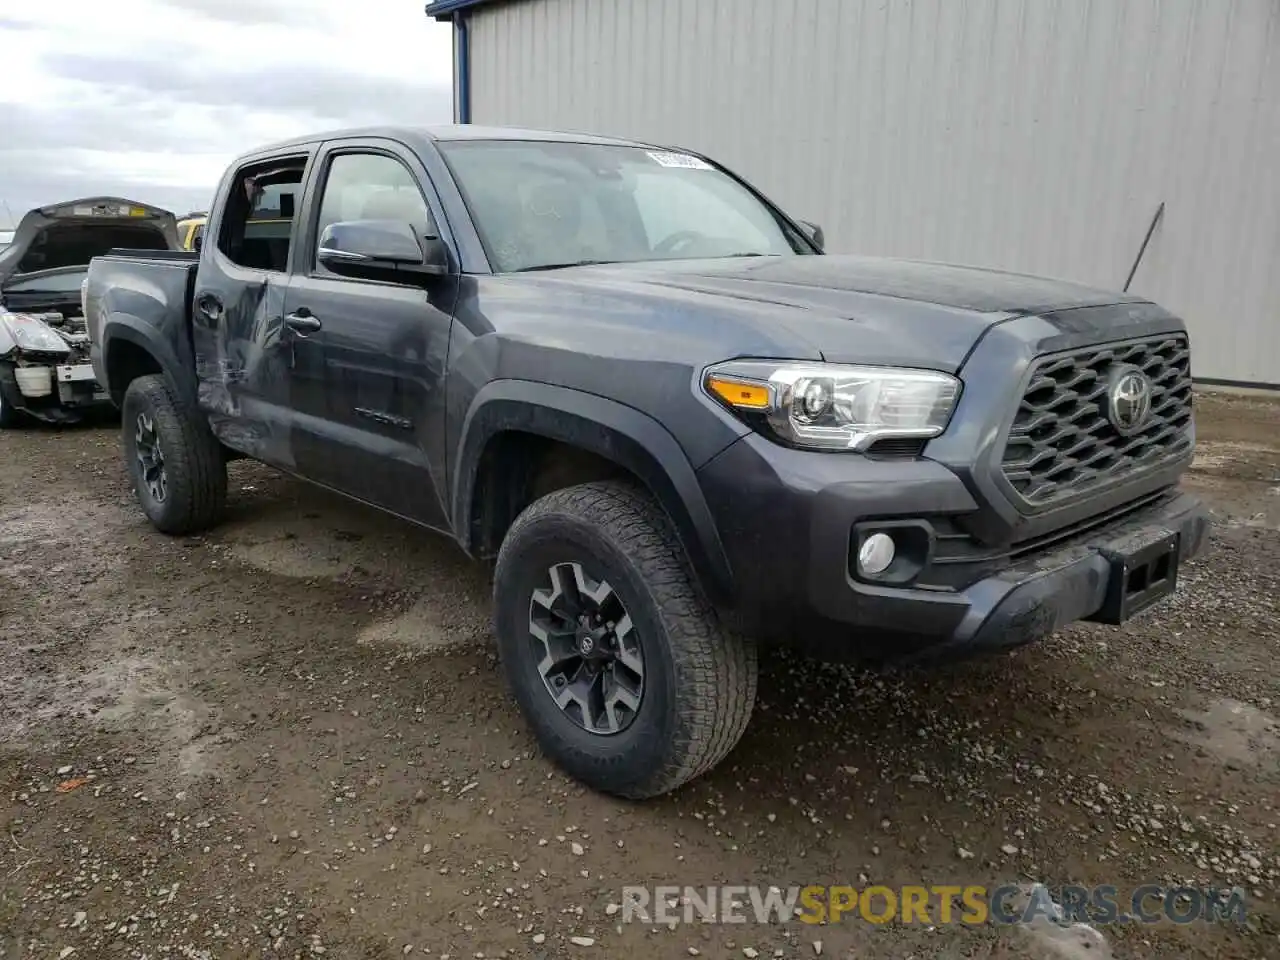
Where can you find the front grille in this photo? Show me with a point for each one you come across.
(1062, 443)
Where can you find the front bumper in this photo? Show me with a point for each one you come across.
(54, 392)
(786, 520)
(1032, 598)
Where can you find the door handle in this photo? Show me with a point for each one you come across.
(303, 321)
(210, 306)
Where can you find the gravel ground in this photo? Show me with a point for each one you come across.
(290, 738)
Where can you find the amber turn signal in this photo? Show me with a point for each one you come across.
(739, 393)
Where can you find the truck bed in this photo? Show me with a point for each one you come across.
(149, 291)
(177, 256)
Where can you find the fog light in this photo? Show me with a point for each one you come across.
(875, 554)
(34, 381)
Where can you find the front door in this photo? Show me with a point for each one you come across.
(384, 345)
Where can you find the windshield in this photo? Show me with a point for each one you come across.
(541, 204)
(53, 283)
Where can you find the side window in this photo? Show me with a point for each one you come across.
(257, 224)
(371, 186)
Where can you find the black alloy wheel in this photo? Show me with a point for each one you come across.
(150, 457)
(588, 649)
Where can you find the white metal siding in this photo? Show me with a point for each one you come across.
(1032, 135)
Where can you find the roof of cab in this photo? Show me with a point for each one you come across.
(446, 132)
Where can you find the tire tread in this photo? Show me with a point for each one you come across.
(194, 463)
(716, 672)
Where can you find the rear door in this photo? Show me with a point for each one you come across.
(258, 383)
(384, 344)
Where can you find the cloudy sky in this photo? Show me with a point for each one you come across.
(149, 99)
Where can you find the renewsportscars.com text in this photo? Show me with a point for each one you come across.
(939, 904)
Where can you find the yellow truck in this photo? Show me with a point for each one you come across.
(263, 222)
(191, 231)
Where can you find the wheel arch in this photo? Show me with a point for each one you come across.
(131, 349)
(516, 430)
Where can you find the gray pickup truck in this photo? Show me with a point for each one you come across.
(678, 426)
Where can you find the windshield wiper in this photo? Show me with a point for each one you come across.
(563, 266)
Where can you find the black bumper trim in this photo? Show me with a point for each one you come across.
(1030, 600)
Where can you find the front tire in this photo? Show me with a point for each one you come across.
(614, 656)
(174, 463)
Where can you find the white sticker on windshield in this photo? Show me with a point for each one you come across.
(679, 160)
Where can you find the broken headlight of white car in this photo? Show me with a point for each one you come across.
(28, 334)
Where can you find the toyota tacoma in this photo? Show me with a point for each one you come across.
(676, 425)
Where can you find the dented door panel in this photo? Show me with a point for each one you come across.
(252, 376)
(244, 362)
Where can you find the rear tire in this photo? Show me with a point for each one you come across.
(687, 685)
(174, 463)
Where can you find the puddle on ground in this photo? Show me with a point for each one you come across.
(418, 628)
(1050, 935)
(307, 548)
(1259, 521)
(1209, 461)
(1233, 731)
(68, 522)
(28, 525)
(99, 679)
(310, 559)
(1077, 941)
(1213, 454)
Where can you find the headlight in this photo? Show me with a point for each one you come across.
(28, 333)
(831, 406)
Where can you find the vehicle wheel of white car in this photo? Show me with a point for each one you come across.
(175, 463)
(616, 659)
(10, 416)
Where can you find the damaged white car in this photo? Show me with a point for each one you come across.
(44, 350)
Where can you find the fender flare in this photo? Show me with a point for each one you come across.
(614, 431)
(127, 328)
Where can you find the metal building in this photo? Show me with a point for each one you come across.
(1032, 135)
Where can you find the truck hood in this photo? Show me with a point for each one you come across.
(842, 308)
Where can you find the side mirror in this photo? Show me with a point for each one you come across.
(814, 233)
(374, 248)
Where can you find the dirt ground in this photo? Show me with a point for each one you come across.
(290, 738)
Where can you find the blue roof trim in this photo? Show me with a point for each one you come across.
(445, 9)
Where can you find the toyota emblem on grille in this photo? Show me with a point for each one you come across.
(1128, 399)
